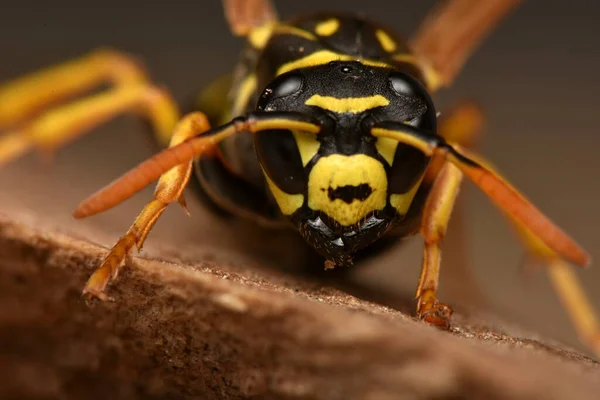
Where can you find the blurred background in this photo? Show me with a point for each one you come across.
(536, 78)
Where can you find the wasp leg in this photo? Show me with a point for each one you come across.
(148, 171)
(434, 223)
(169, 189)
(452, 31)
(570, 292)
(22, 98)
(172, 167)
(22, 103)
(574, 300)
(543, 238)
(462, 124)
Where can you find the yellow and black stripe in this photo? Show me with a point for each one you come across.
(347, 184)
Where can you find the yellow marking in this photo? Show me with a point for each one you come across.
(259, 36)
(336, 171)
(575, 301)
(61, 125)
(322, 57)
(288, 203)
(308, 145)
(292, 30)
(169, 189)
(433, 79)
(387, 148)
(402, 202)
(25, 96)
(244, 92)
(354, 105)
(282, 123)
(328, 27)
(407, 58)
(406, 138)
(386, 41)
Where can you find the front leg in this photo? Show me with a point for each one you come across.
(169, 189)
(434, 222)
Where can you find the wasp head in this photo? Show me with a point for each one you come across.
(344, 188)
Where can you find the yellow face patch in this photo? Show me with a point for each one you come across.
(347, 188)
(387, 148)
(402, 202)
(354, 105)
(288, 203)
(308, 145)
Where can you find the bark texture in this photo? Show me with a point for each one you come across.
(210, 331)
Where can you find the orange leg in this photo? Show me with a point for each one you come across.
(463, 124)
(567, 286)
(24, 97)
(169, 189)
(173, 167)
(23, 103)
(434, 223)
(543, 238)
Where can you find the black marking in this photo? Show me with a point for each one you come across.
(459, 156)
(349, 193)
(220, 189)
(280, 158)
(357, 38)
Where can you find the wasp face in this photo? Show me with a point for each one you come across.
(344, 188)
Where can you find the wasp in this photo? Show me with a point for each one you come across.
(327, 125)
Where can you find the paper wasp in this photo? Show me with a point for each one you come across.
(345, 143)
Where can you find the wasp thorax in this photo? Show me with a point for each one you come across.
(347, 188)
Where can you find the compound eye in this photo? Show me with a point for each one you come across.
(283, 86)
(405, 85)
(402, 84)
(421, 111)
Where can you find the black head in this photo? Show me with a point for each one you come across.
(343, 188)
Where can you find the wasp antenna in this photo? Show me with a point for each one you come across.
(150, 170)
(527, 217)
(550, 240)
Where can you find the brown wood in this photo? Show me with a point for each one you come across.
(212, 331)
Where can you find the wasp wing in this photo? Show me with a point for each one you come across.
(453, 29)
(244, 15)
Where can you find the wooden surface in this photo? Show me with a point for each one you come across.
(199, 329)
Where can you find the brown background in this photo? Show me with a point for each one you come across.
(536, 77)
